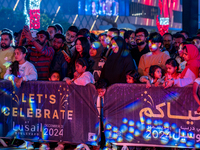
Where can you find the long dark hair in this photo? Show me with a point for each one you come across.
(15, 65)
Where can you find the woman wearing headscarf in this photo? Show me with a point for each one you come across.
(191, 71)
(118, 63)
(95, 52)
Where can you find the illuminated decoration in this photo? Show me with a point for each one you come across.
(34, 12)
(163, 23)
(27, 18)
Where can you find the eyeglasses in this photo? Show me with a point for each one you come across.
(140, 35)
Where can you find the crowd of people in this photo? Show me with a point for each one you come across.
(116, 56)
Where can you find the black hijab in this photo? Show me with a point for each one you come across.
(118, 64)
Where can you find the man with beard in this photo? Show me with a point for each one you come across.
(69, 45)
(40, 54)
(129, 37)
(179, 38)
(52, 30)
(142, 47)
(6, 52)
(168, 44)
(59, 63)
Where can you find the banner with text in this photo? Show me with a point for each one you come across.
(48, 111)
(135, 115)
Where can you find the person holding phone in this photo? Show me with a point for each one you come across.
(39, 53)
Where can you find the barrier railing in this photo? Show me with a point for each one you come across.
(133, 114)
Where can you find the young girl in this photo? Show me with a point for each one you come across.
(132, 76)
(96, 49)
(21, 70)
(154, 77)
(81, 76)
(172, 69)
(191, 71)
(180, 59)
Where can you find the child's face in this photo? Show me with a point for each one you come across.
(101, 92)
(19, 56)
(92, 52)
(170, 69)
(80, 69)
(55, 77)
(158, 73)
(129, 79)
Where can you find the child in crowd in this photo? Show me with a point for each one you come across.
(172, 69)
(195, 92)
(101, 86)
(21, 70)
(132, 76)
(54, 76)
(180, 59)
(154, 77)
(81, 76)
(96, 49)
(191, 71)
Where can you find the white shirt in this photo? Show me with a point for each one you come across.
(26, 70)
(84, 79)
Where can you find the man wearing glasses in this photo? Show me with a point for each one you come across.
(142, 46)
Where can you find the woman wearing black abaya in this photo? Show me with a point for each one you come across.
(118, 63)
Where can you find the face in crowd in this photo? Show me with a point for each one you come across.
(132, 39)
(114, 46)
(79, 47)
(70, 36)
(5, 41)
(102, 39)
(55, 77)
(154, 46)
(177, 42)
(140, 38)
(41, 39)
(167, 42)
(196, 42)
(110, 35)
(51, 32)
(57, 44)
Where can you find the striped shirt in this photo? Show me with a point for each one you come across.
(41, 61)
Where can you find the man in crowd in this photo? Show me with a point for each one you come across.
(6, 52)
(168, 45)
(196, 41)
(142, 46)
(179, 38)
(155, 57)
(69, 45)
(59, 63)
(52, 30)
(129, 37)
(40, 54)
(59, 28)
(185, 34)
(101, 39)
